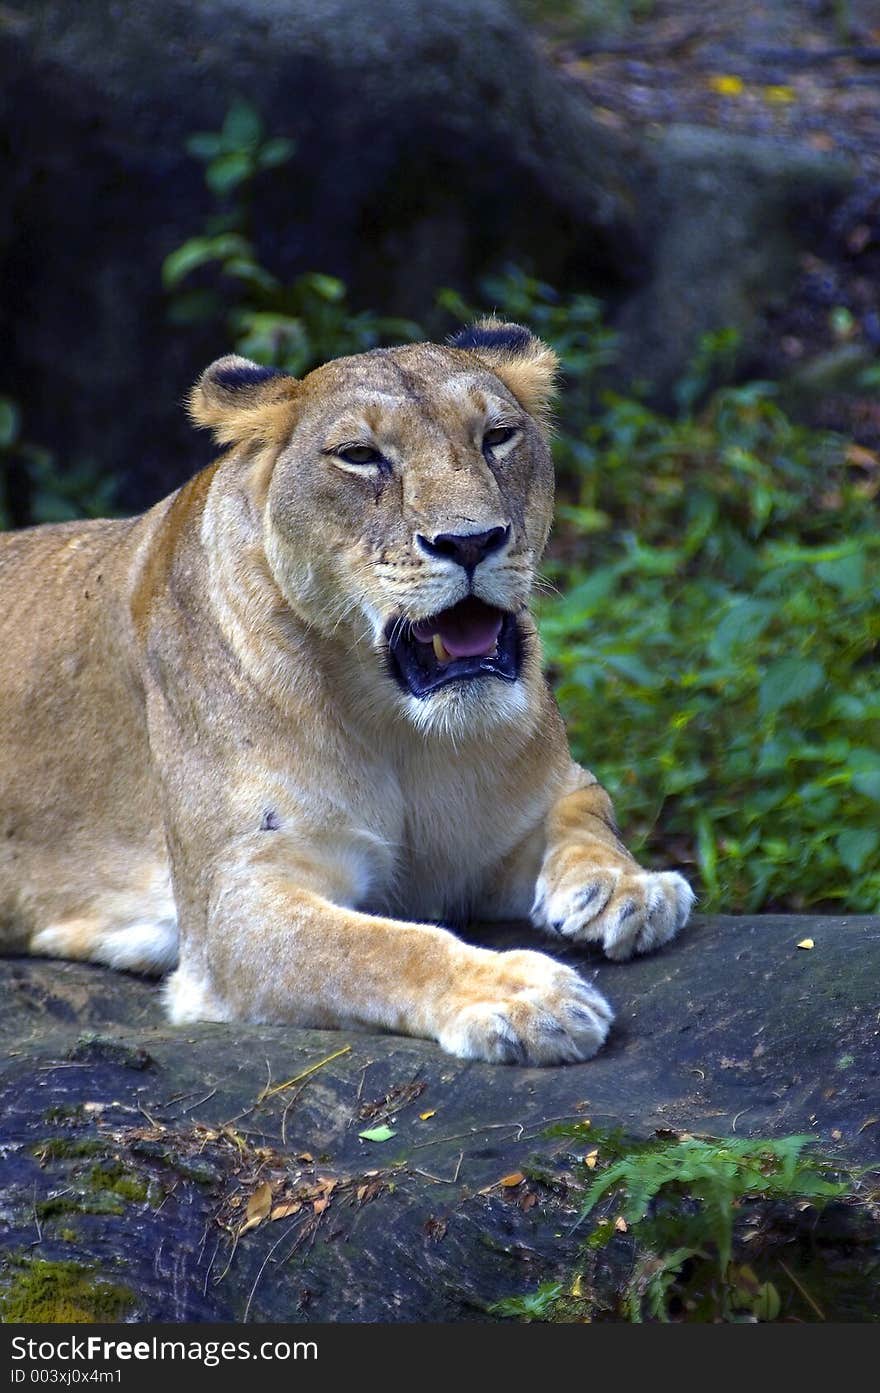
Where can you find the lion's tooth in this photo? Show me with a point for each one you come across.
(440, 652)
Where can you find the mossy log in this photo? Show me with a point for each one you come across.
(219, 1172)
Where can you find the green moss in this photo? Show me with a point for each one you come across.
(65, 1112)
(64, 1293)
(75, 1202)
(105, 1189)
(68, 1148)
(112, 1177)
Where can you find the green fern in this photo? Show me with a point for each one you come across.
(533, 1305)
(690, 1190)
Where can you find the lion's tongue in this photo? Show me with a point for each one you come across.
(468, 630)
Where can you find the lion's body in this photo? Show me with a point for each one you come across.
(200, 736)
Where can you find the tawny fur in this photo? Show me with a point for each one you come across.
(205, 761)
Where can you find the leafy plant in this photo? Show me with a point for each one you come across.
(218, 276)
(47, 492)
(235, 153)
(532, 1306)
(679, 1201)
(691, 1226)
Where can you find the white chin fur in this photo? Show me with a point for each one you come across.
(468, 708)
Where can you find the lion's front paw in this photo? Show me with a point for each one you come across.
(524, 1008)
(627, 911)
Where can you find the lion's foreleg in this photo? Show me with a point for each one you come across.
(278, 953)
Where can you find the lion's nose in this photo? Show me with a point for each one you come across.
(467, 549)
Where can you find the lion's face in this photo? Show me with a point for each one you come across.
(409, 504)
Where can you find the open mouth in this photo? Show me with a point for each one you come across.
(471, 639)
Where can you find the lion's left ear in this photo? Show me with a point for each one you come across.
(525, 365)
(241, 402)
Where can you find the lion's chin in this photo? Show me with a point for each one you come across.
(468, 710)
(470, 644)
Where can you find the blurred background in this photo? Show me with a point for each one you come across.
(681, 195)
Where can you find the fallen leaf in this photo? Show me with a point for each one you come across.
(528, 1200)
(512, 1180)
(260, 1201)
(778, 94)
(621, 1225)
(320, 1205)
(258, 1207)
(591, 1158)
(576, 1289)
(806, 943)
(365, 1193)
(383, 1133)
(306, 1157)
(423, 1116)
(281, 1211)
(727, 84)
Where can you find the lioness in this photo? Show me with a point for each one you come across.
(266, 730)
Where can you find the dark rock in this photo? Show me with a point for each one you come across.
(731, 1030)
(725, 224)
(432, 142)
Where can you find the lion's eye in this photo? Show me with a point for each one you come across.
(499, 436)
(359, 454)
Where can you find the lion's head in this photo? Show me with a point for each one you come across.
(408, 499)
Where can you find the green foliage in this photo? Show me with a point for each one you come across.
(54, 493)
(713, 641)
(216, 276)
(679, 1214)
(679, 1201)
(233, 155)
(534, 1305)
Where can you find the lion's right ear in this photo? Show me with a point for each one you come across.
(243, 403)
